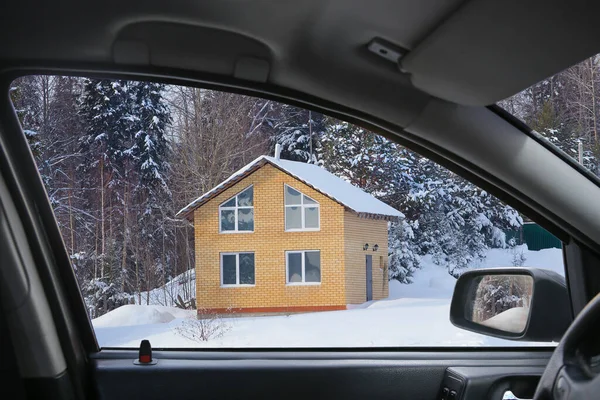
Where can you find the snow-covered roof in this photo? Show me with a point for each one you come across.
(318, 178)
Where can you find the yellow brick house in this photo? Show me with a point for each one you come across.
(280, 236)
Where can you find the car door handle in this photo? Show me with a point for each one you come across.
(508, 395)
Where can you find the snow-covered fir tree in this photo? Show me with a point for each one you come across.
(107, 137)
(457, 221)
(444, 215)
(369, 161)
(150, 117)
(298, 131)
(125, 153)
(403, 257)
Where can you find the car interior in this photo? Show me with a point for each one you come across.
(426, 74)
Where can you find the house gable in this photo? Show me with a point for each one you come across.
(268, 183)
(313, 176)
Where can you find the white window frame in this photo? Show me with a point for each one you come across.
(287, 269)
(303, 208)
(235, 212)
(237, 269)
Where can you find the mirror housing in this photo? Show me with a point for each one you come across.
(549, 309)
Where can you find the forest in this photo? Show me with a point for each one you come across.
(120, 158)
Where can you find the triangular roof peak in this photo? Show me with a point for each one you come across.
(312, 175)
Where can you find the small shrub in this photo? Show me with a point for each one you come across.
(518, 256)
(206, 326)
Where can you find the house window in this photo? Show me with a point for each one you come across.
(237, 213)
(301, 212)
(303, 267)
(237, 269)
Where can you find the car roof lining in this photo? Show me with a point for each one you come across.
(466, 52)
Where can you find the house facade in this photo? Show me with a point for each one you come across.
(280, 236)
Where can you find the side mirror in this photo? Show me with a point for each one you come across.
(527, 304)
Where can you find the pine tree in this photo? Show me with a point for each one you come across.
(444, 215)
(105, 112)
(125, 153)
(458, 222)
(150, 117)
(403, 254)
(364, 159)
(298, 131)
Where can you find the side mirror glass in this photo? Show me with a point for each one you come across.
(527, 304)
(501, 302)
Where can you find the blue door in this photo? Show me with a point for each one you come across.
(369, 278)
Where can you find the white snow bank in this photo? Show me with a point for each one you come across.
(431, 282)
(512, 320)
(129, 315)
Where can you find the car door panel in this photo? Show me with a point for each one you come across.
(335, 374)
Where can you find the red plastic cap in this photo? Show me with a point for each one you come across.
(145, 352)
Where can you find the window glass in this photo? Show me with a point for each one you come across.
(292, 196)
(308, 200)
(169, 214)
(304, 267)
(563, 109)
(246, 198)
(293, 217)
(312, 267)
(227, 220)
(247, 268)
(238, 269)
(294, 267)
(229, 269)
(230, 203)
(246, 219)
(311, 217)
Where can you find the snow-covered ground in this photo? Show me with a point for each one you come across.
(413, 315)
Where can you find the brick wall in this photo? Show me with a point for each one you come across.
(359, 231)
(269, 243)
